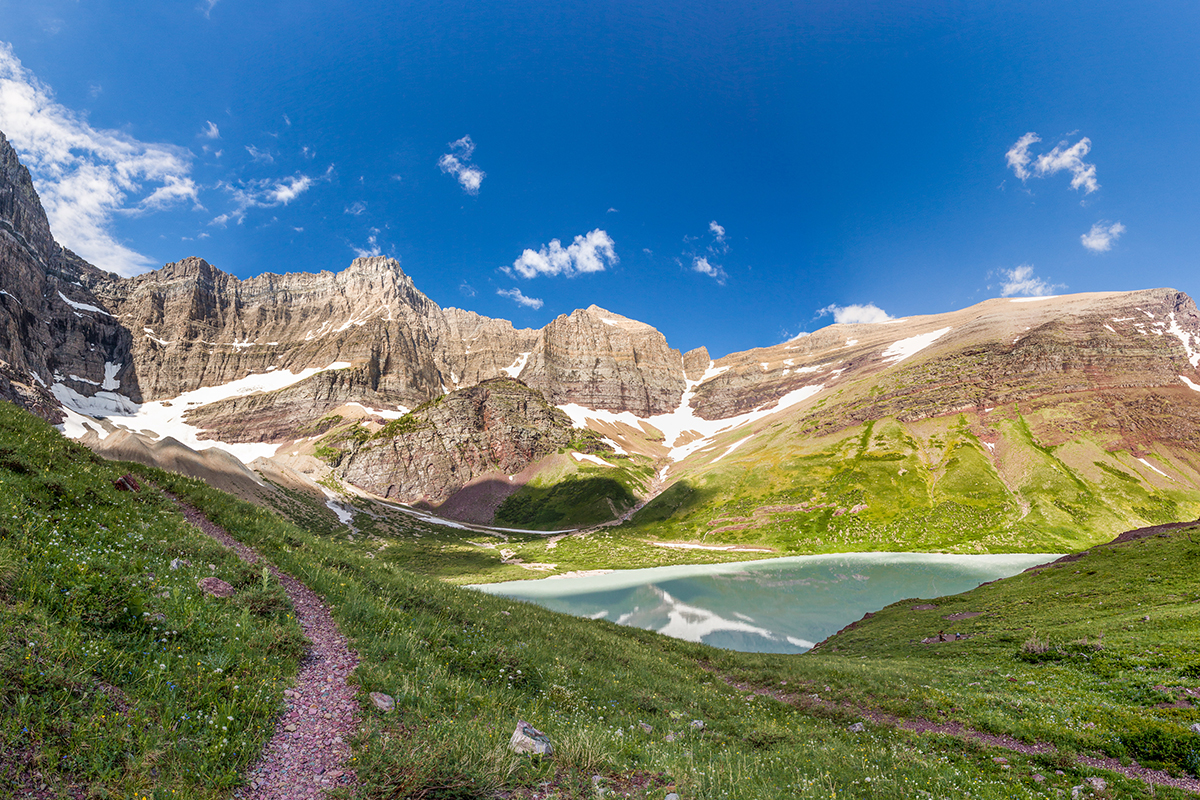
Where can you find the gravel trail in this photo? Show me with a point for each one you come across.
(308, 752)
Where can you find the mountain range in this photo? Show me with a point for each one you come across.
(1018, 422)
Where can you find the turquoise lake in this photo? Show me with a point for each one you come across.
(779, 605)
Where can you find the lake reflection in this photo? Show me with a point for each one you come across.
(781, 605)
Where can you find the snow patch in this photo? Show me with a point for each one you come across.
(1193, 356)
(1190, 383)
(581, 457)
(683, 419)
(82, 306)
(621, 451)
(612, 322)
(851, 342)
(110, 376)
(1031, 299)
(518, 365)
(162, 418)
(1156, 469)
(1110, 328)
(914, 344)
(377, 412)
(76, 426)
(733, 447)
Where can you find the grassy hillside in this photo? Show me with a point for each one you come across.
(1001, 482)
(464, 667)
(117, 674)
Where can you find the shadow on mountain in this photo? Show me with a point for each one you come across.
(573, 502)
(676, 502)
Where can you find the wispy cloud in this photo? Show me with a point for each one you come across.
(265, 193)
(866, 313)
(458, 163)
(206, 7)
(210, 130)
(520, 299)
(702, 265)
(702, 257)
(1063, 157)
(1101, 237)
(356, 209)
(87, 176)
(372, 248)
(260, 155)
(592, 252)
(1021, 282)
(1018, 155)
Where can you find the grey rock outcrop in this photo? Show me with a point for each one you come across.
(528, 739)
(498, 427)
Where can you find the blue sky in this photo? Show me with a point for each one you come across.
(731, 173)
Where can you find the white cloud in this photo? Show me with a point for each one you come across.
(206, 7)
(260, 155)
(372, 248)
(357, 208)
(1018, 155)
(458, 163)
(588, 253)
(852, 314)
(516, 296)
(1023, 283)
(1101, 237)
(210, 130)
(85, 176)
(1061, 158)
(702, 265)
(265, 193)
(718, 231)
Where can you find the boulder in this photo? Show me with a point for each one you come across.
(215, 587)
(528, 739)
(383, 702)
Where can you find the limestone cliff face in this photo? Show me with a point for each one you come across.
(499, 427)
(194, 325)
(599, 359)
(51, 327)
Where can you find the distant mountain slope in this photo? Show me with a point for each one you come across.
(1067, 417)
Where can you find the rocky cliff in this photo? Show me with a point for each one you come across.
(52, 330)
(497, 427)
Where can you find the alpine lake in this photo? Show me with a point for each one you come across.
(778, 605)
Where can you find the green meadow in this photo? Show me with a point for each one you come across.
(120, 679)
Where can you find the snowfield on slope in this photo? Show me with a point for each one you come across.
(163, 418)
(684, 420)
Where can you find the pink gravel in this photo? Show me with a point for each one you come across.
(308, 752)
